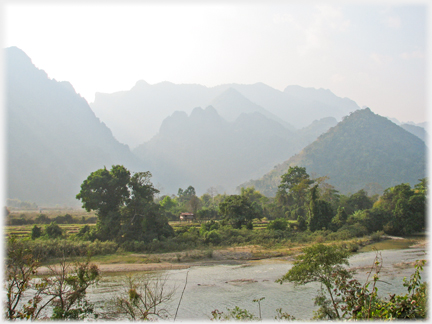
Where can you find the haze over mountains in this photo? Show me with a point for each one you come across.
(54, 139)
(205, 150)
(295, 108)
(184, 135)
(418, 131)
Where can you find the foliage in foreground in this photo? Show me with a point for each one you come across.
(143, 298)
(345, 297)
(341, 297)
(63, 290)
(62, 294)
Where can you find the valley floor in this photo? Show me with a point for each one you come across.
(232, 255)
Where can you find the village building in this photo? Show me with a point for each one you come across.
(187, 217)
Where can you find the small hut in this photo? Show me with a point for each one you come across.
(187, 217)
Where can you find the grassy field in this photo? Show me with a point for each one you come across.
(25, 230)
(51, 213)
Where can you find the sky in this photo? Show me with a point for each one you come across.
(373, 53)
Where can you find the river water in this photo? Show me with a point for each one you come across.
(226, 286)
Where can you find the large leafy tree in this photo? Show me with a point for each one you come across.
(142, 219)
(320, 211)
(358, 201)
(105, 191)
(293, 191)
(124, 204)
(238, 210)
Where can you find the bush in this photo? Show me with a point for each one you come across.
(133, 246)
(53, 231)
(58, 248)
(354, 230)
(341, 234)
(42, 219)
(66, 219)
(209, 226)
(212, 237)
(375, 237)
(278, 224)
(22, 220)
(36, 232)
(102, 248)
(83, 230)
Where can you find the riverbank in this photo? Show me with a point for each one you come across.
(230, 256)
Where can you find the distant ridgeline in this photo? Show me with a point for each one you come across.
(295, 107)
(54, 139)
(206, 150)
(364, 151)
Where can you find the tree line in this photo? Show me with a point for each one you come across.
(132, 217)
(127, 209)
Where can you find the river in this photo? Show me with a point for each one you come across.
(226, 286)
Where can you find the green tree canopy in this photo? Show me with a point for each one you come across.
(295, 180)
(293, 191)
(359, 201)
(238, 210)
(168, 203)
(124, 204)
(251, 194)
(320, 211)
(104, 190)
(407, 208)
(187, 194)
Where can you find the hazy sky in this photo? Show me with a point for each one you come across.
(373, 54)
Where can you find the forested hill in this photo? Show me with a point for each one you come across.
(205, 150)
(54, 139)
(364, 150)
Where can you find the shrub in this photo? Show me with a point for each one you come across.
(36, 232)
(42, 219)
(376, 236)
(209, 226)
(278, 224)
(212, 237)
(53, 230)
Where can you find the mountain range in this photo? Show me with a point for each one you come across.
(294, 108)
(364, 151)
(205, 150)
(54, 139)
